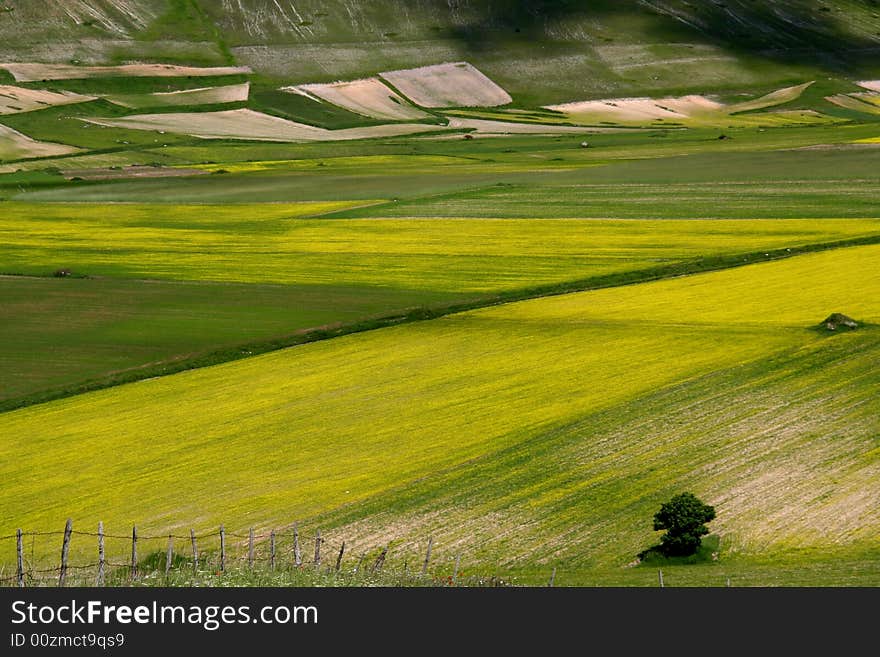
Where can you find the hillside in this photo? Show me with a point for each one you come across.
(544, 52)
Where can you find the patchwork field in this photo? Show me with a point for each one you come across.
(247, 124)
(744, 437)
(400, 403)
(63, 336)
(19, 99)
(279, 243)
(456, 84)
(853, 102)
(370, 97)
(556, 263)
(35, 72)
(279, 269)
(233, 93)
(692, 110)
(16, 146)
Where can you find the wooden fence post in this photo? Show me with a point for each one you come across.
(660, 577)
(272, 550)
(251, 548)
(169, 556)
(455, 572)
(19, 545)
(297, 554)
(339, 558)
(192, 537)
(318, 547)
(65, 549)
(552, 578)
(133, 573)
(427, 555)
(380, 560)
(222, 548)
(357, 568)
(100, 579)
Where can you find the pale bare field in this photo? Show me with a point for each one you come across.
(369, 97)
(868, 97)
(849, 102)
(447, 85)
(627, 110)
(33, 72)
(248, 124)
(488, 127)
(774, 98)
(692, 110)
(873, 85)
(232, 93)
(14, 145)
(14, 99)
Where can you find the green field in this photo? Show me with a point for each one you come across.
(281, 243)
(61, 334)
(519, 344)
(394, 406)
(276, 272)
(403, 224)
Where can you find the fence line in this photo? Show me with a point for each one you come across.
(264, 549)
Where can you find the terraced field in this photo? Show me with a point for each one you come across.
(401, 403)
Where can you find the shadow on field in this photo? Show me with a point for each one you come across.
(709, 549)
(791, 31)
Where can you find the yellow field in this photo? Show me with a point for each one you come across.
(278, 243)
(304, 431)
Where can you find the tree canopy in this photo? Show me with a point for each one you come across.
(684, 518)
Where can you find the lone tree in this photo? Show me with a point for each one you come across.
(684, 518)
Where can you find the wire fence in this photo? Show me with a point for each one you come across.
(132, 558)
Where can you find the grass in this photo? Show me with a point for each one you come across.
(65, 334)
(305, 110)
(99, 86)
(29, 365)
(373, 421)
(376, 272)
(62, 124)
(263, 277)
(525, 436)
(551, 169)
(782, 446)
(815, 199)
(621, 48)
(280, 243)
